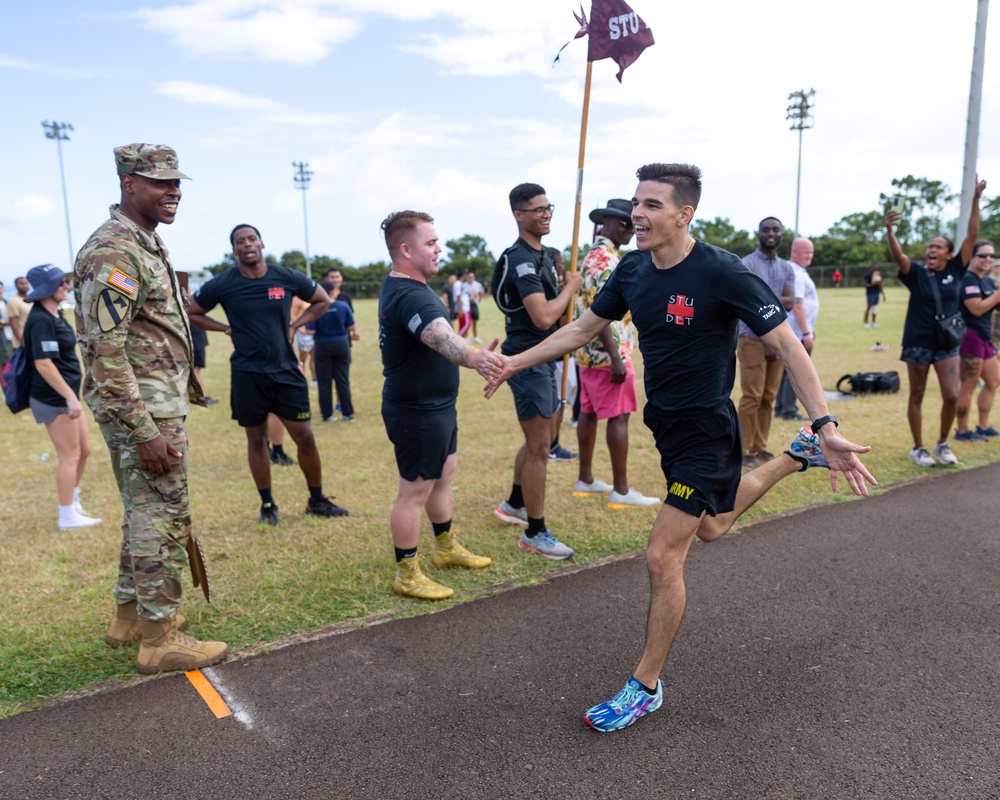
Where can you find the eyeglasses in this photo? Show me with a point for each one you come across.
(540, 211)
(985, 255)
(65, 282)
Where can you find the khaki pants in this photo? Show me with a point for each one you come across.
(759, 380)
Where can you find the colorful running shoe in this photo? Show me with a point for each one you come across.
(515, 516)
(624, 708)
(806, 450)
(545, 544)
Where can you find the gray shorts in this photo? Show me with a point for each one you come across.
(44, 413)
(535, 391)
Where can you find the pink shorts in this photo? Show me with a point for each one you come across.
(598, 395)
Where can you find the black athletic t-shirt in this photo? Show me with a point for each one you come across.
(687, 318)
(258, 311)
(416, 376)
(528, 271)
(51, 337)
(920, 328)
(975, 287)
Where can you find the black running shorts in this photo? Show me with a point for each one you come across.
(253, 394)
(423, 440)
(701, 455)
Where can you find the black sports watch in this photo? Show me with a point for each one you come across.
(822, 421)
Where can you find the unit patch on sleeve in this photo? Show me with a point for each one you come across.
(112, 308)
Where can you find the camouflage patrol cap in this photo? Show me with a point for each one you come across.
(155, 161)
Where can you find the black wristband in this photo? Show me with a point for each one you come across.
(822, 421)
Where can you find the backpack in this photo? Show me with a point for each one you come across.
(17, 381)
(870, 383)
(502, 277)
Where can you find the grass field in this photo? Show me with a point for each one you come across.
(273, 583)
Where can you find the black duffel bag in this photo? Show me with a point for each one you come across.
(870, 383)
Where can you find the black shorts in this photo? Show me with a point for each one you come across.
(474, 308)
(199, 356)
(253, 394)
(423, 440)
(535, 391)
(701, 455)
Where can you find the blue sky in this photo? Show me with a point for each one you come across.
(444, 105)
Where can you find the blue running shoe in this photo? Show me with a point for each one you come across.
(624, 708)
(805, 449)
(545, 544)
(987, 432)
(969, 436)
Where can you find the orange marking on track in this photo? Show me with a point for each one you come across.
(211, 697)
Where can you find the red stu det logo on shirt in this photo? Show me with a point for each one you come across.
(680, 309)
(275, 293)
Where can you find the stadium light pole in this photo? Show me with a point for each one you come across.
(302, 178)
(57, 131)
(799, 105)
(972, 120)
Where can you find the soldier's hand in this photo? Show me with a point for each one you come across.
(154, 455)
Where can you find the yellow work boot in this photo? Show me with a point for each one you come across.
(125, 627)
(449, 553)
(411, 582)
(165, 649)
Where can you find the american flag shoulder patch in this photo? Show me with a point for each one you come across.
(524, 270)
(972, 290)
(414, 323)
(124, 283)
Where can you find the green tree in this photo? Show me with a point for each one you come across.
(857, 238)
(720, 232)
(923, 213)
(469, 252)
(990, 228)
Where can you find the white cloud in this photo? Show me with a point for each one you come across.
(32, 66)
(286, 31)
(29, 208)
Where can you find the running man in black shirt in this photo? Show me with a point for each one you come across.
(526, 289)
(421, 354)
(687, 299)
(257, 299)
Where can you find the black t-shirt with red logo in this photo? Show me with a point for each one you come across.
(687, 318)
(258, 310)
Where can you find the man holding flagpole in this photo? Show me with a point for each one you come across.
(526, 289)
(687, 299)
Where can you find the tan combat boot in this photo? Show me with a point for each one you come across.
(125, 627)
(411, 582)
(163, 648)
(449, 553)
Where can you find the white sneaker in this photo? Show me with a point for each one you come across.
(631, 499)
(943, 454)
(868, 325)
(597, 486)
(919, 455)
(70, 518)
(477, 340)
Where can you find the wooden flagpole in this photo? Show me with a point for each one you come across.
(575, 247)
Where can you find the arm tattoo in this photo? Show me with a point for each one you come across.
(440, 337)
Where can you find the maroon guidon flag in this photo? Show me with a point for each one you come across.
(615, 32)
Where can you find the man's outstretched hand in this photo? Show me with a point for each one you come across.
(842, 456)
(487, 362)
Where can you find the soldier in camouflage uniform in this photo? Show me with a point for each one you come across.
(136, 344)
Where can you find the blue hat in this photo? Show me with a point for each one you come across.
(43, 280)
